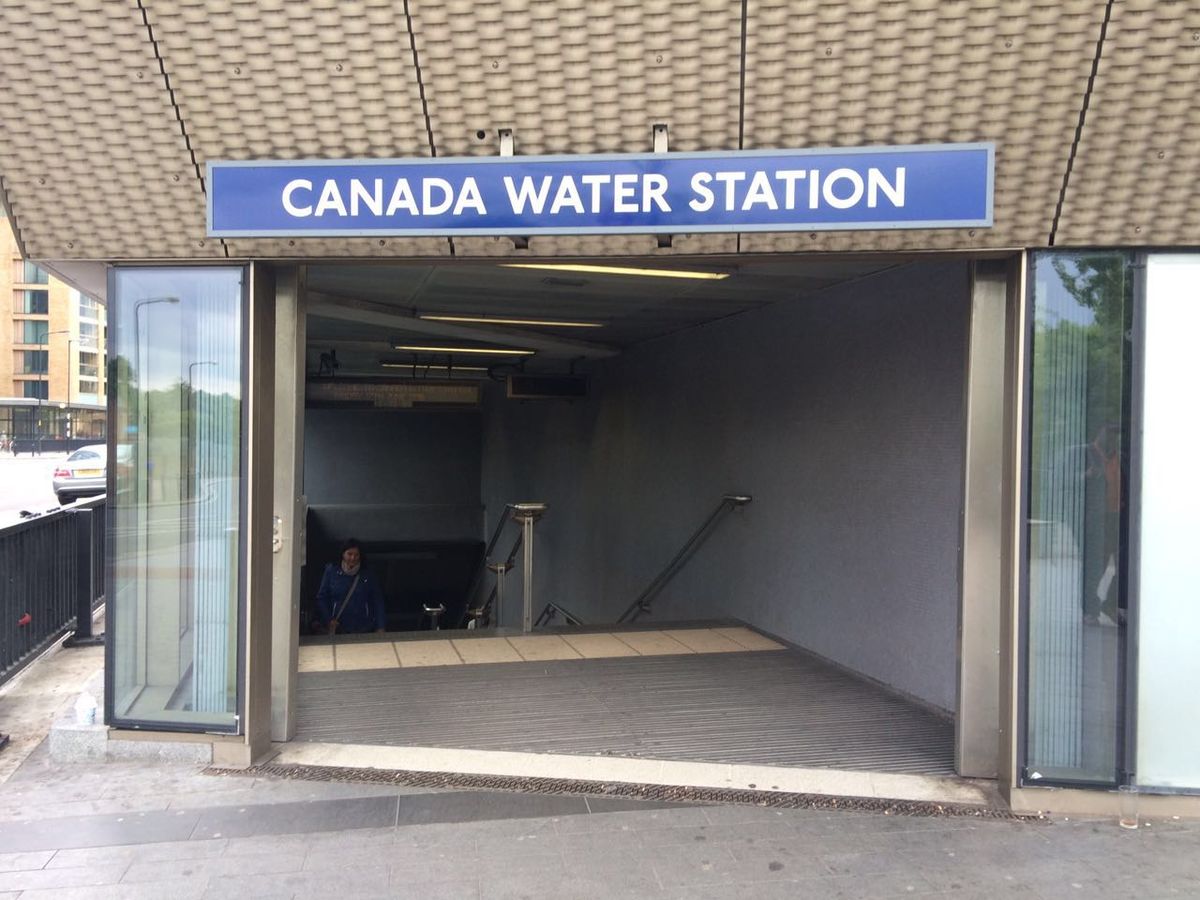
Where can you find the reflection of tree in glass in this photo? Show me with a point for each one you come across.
(1100, 282)
(1078, 364)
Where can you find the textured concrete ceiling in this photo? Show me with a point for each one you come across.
(112, 107)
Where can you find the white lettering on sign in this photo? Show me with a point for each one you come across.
(839, 189)
(373, 199)
(428, 207)
(654, 189)
(469, 196)
(331, 199)
(876, 183)
(528, 194)
(438, 195)
(704, 199)
(289, 191)
(567, 195)
(623, 193)
(402, 198)
(760, 192)
(595, 182)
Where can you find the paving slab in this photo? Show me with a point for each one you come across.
(352, 657)
(427, 653)
(486, 650)
(537, 647)
(653, 643)
(703, 640)
(315, 658)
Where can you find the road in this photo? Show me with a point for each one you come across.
(25, 483)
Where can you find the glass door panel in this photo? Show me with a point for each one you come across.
(1078, 439)
(176, 497)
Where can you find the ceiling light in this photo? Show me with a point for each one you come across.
(486, 351)
(487, 320)
(451, 368)
(620, 270)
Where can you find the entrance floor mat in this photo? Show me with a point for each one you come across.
(779, 708)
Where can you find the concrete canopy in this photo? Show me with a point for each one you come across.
(113, 108)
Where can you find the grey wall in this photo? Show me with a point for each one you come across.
(405, 456)
(841, 413)
(396, 475)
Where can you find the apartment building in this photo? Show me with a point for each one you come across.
(52, 390)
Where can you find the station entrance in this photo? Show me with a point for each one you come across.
(670, 509)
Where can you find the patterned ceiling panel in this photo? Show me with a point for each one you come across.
(1135, 177)
(336, 248)
(276, 79)
(93, 160)
(828, 73)
(579, 76)
(97, 153)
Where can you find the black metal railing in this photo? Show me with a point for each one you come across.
(51, 579)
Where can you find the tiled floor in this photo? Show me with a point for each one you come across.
(351, 656)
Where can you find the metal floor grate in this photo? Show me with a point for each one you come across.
(779, 708)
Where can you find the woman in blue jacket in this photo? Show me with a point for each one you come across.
(350, 600)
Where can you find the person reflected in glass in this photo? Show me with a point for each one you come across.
(350, 600)
(1105, 467)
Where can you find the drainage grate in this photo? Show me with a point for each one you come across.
(663, 793)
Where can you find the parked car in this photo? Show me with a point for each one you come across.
(83, 474)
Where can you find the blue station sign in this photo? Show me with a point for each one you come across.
(924, 186)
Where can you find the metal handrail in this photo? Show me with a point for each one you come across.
(485, 612)
(553, 609)
(477, 575)
(645, 598)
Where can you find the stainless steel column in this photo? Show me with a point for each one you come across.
(978, 727)
(500, 569)
(527, 514)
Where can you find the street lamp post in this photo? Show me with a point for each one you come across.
(143, 386)
(45, 382)
(70, 341)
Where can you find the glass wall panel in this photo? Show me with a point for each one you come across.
(1168, 682)
(1077, 450)
(175, 509)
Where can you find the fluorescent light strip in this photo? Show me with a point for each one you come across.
(428, 365)
(619, 270)
(485, 351)
(485, 320)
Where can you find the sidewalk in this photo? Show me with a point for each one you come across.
(154, 830)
